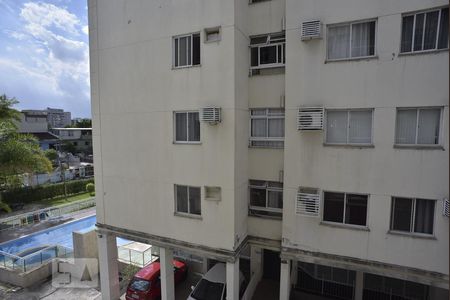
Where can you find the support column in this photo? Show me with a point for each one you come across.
(359, 285)
(285, 279)
(256, 262)
(109, 269)
(167, 275)
(233, 280)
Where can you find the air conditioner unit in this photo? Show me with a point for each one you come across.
(310, 118)
(311, 30)
(445, 209)
(211, 115)
(308, 202)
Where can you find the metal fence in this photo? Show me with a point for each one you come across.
(45, 214)
(33, 260)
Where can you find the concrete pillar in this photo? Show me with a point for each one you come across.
(256, 261)
(167, 275)
(109, 272)
(359, 285)
(285, 279)
(233, 280)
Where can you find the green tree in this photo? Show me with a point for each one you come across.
(51, 154)
(8, 115)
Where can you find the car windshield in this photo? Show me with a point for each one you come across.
(140, 285)
(207, 290)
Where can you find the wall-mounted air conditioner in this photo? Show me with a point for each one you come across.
(308, 202)
(311, 30)
(310, 118)
(211, 115)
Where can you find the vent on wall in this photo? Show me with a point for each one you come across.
(445, 210)
(308, 202)
(211, 115)
(311, 30)
(310, 118)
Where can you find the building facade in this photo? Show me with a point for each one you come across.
(308, 136)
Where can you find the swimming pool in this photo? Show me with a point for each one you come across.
(60, 235)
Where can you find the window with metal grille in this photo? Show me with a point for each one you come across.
(266, 198)
(267, 127)
(267, 51)
(425, 31)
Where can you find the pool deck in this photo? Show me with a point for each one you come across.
(14, 233)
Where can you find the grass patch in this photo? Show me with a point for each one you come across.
(61, 200)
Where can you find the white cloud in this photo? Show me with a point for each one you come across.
(85, 29)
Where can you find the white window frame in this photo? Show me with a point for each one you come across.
(266, 188)
(441, 124)
(187, 198)
(423, 34)
(266, 117)
(178, 37)
(413, 217)
(187, 112)
(270, 43)
(348, 124)
(350, 57)
(345, 205)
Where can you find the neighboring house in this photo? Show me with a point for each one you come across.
(58, 117)
(311, 136)
(47, 140)
(80, 138)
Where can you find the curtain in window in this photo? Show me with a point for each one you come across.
(194, 127)
(194, 201)
(182, 198)
(184, 48)
(276, 128)
(337, 127)
(406, 126)
(360, 129)
(424, 216)
(259, 128)
(429, 121)
(407, 33)
(431, 23)
(180, 127)
(443, 30)
(363, 39)
(338, 42)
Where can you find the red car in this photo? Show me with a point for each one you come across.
(146, 284)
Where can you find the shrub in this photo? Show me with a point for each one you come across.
(41, 192)
(90, 188)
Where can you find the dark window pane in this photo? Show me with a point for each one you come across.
(258, 197)
(183, 42)
(181, 198)
(333, 210)
(275, 199)
(418, 32)
(424, 217)
(189, 51)
(401, 214)
(431, 24)
(356, 210)
(268, 55)
(196, 49)
(254, 53)
(407, 33)
(194, 127)
(194, 201)
(180, 127)
(443, 31)
(176, 52)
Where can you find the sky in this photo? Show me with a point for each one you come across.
(44, 54)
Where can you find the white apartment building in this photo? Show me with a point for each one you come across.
(309, 136)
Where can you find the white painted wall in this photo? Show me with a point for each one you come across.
(384, 83)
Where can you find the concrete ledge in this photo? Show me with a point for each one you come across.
(26, 279)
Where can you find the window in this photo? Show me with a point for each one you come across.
(266, 198)
(349, 127)
(187, 200)
(418, 126)
(267, 51)
(267, 127)
(351, 40)
(412, 215)
(186, 50)
(425, 31)
(345, 208)
(257, 1)
(187, 127)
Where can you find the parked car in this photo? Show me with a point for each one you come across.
(146, 284)
(213, 285)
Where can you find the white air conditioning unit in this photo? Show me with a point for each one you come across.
(211, 115)
(445, 209)
(310, 118)
(311, 30)
(308, 202)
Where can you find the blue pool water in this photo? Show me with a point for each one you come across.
(60, 235)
